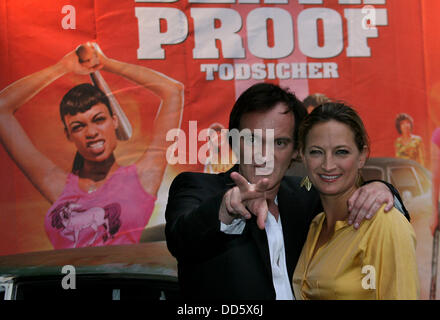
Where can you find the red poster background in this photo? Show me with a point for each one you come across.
(401, 75)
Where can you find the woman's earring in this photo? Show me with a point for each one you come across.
(306, 183)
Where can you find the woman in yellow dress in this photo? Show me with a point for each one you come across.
(378, 261)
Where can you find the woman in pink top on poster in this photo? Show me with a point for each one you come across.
(99, 202)
(435, 167)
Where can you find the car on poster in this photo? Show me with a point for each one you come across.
(144, 271)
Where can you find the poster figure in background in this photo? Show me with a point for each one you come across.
(435, 168)
(334, 147)
(99, 202)
(434, 226)
(214, 163)
(408, 145)
(314, 100)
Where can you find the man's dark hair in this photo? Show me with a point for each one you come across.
(263, 97)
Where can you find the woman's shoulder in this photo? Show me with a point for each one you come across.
(384, 232)
(392, 222)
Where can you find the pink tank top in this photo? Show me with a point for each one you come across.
(116, 213)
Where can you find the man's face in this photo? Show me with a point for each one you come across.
(282, 123)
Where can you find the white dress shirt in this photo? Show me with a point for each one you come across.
(274, 232)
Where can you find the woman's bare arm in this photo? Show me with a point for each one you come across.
(152, 164)
(48, 178)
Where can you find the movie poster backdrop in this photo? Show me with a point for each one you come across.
(380, 56)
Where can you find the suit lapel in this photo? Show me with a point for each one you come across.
(260, 239)
(291, 208)
(259, 236)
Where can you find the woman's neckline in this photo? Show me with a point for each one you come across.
(98, 188)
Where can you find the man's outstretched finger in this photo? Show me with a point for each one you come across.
(261, 211)
(250, 191)
(259, 208)
(240, 181)
(262, 185)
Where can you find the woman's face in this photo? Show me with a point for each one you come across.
(332, 158)
(93, 132)
(405, 127)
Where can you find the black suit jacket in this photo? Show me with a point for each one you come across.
(213, 265)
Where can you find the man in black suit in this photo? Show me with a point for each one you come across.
(239, 234)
